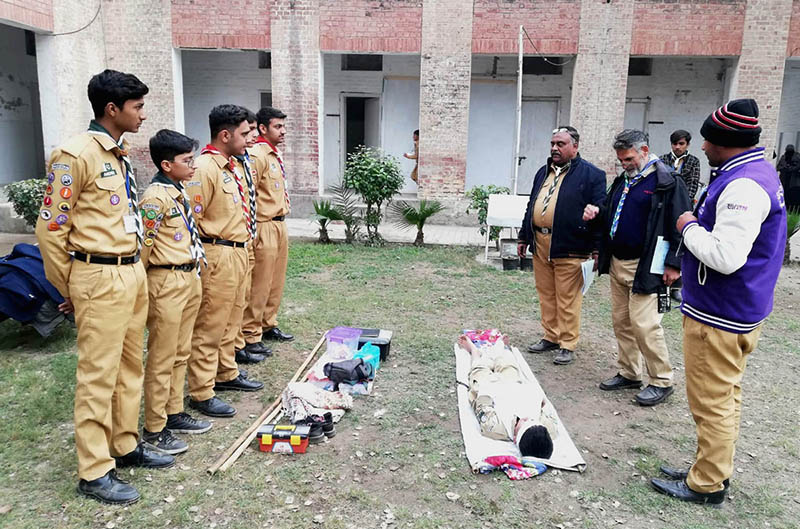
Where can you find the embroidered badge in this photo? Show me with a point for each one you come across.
(198, 198)
(235, 199)
(66, 179)
(178, 236)
(59, 167)
(198, 208)
(148, 242)
(150, 233)
(48, 201)
(46, 215)
(65, 192)
(277, 185)
(51, 177)
(53, 226)
(150, 214)
(114, 200)
(273, 166)
(192, 183)
(174, 213)
(107, 166)
(160, 216)
(64, 206)
(61, 219)
(150, 223)
(49, 190)
(150, 206)
(226, 179)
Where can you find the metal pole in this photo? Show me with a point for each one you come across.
(519, 113)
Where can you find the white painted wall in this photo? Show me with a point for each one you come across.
(213, 78)
(681, 92)
(20, 113)
(789, 117)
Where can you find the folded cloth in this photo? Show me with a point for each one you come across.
(514, 468)
(301, 399)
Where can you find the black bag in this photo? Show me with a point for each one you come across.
(349, 371)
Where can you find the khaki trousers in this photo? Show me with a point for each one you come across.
(110, 312)
(251, 263)
(213, 358)
(174, 302)
(637, 326)
(558, 284)
(485, 369)
(269, 275)
(715, 361)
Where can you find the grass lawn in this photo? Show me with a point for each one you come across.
(395, 470)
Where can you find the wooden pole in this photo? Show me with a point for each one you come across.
(235, 450)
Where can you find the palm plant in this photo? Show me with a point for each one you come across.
(408, 216)
(324, 212)
(345, 203)
(792, 227)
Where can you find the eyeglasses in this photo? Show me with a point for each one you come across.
(189, 162)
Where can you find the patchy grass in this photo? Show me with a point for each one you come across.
(397, 469)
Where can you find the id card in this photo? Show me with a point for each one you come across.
(129, 221)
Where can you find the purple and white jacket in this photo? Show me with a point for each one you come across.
(735, 248)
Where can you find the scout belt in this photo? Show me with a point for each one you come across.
(188, 267)
(278, 218)
(107, 259)
(223, 242)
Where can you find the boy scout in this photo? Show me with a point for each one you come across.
(221, 209)
(272, 242)
(255, 352)
(173, 256)
(90, 210)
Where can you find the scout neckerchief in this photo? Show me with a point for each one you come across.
(262, 139)
(130, 182)
(629, 183)
(231, 165)
(251, 188)
(196, 250)
(557, 170)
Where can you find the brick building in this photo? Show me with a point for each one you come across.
(349, 72)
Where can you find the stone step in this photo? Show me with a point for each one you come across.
(10, 222)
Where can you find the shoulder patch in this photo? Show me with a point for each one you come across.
(150, 205)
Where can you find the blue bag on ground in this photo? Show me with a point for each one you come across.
(371, 355)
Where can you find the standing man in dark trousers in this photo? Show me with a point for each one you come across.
(685, 164)
(90, 234)
(638, 223)
(272, 238)
(733, 252)
(561, 240)
(222, 208)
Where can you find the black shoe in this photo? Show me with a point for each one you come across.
(239, 384)
(316, 435)
(619, 382)
(109, 489)
(563, 357)
(652, 395)
(145, 458)
(252, 353)
(681, 475)
(164, 442)
(328, 428)
(277, 334)
(542, 346)
(184, 423)
(681, 491)
(213, 407)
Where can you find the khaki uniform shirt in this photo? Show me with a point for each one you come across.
(167, 240)
(214, 190)
(270, 185)
(546, 221)
(83, 206)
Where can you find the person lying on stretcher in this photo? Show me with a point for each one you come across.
(508, 408)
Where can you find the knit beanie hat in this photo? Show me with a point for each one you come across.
(734, 124)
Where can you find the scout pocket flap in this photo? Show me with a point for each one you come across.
(109, 183)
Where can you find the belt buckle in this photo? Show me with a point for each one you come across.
(546, 231)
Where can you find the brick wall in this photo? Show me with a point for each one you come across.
(444, 96)
(36, 15)
(789, 121)
(700, 27)
(370, 25)
(761, 65)
(149, 59)
(793, 46)
(244, 24)
(601, 77)
(296, 71)
(553, 26)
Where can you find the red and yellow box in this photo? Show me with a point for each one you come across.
(283, 438)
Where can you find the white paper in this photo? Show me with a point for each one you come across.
(659, 256)
(587, 267)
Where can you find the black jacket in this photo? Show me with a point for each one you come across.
(583, 184)
(669, 201)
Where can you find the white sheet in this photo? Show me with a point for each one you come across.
(477, 447)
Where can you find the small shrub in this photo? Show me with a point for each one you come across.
(479, 201)
(376, 177)
(346, 205)
(409, 216)
(324, 212)
(26, 196)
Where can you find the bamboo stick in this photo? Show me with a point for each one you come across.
(235, 450)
